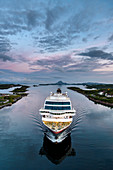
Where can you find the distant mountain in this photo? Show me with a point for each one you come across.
(58, 83)
(63, 83)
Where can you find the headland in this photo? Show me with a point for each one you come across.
(8, 99)
(100, 93)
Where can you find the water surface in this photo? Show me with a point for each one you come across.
(9, 90)
(23, 144)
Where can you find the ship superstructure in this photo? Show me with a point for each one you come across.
(57, 113)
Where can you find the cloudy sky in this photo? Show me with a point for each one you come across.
(51, 40)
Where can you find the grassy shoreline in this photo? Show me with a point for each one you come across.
(98, 96)
(9, 99)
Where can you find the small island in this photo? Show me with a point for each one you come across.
(17, 94)
(100, 94)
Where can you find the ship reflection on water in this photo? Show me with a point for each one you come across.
(56, 152)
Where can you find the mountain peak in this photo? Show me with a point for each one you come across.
(61, 83)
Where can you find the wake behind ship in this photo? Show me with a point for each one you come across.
(57, 113)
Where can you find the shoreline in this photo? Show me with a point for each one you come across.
(10, 104)
(100, 102)
(92, 98)
(9, 99)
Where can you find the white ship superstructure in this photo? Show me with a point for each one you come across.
(57, 113)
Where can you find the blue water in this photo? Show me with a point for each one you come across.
(23, 142)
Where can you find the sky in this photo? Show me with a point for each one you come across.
(51, 40)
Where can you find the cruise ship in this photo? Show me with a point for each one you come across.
(57, 113)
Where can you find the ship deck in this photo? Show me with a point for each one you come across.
(56, 125)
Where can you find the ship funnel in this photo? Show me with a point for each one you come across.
(59, 90)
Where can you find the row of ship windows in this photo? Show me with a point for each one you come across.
(58, 108)
(66, 117)
(60, 113)
(57, 113)
(57, 103)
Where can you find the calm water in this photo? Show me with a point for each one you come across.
(24, 146)
(5, 91)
